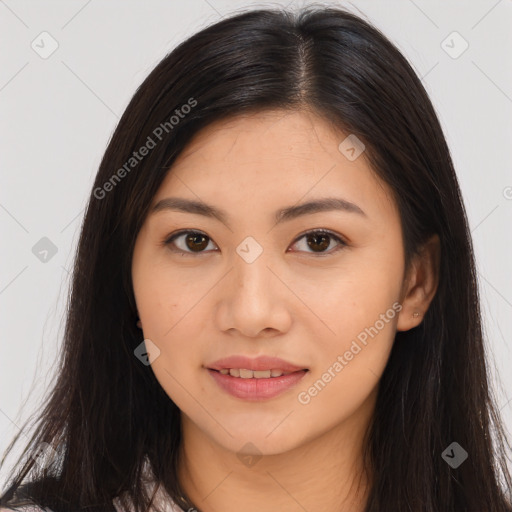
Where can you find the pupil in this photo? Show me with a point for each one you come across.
(193, 238)
(315, 237)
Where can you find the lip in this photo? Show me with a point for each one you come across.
(257, 363)
(256, 389)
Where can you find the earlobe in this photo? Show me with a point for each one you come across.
(421, 284)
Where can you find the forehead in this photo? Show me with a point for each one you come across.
(265, 135)
(273, 157)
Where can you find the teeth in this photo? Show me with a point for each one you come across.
(262, 374)
(250, 374)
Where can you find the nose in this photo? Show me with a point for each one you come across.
(254, 300)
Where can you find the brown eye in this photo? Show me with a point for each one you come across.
(188, 242)
(320, 241)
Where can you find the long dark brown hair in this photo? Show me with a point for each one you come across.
(107, 413)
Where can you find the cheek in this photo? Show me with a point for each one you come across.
(351, 299)
(162, 296)
(351, 363)
(172, 321)
(358, 310)
(171, 306)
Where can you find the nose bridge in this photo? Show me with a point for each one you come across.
(251, 300)
(251, 270)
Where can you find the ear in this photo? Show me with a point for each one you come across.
(420, 285)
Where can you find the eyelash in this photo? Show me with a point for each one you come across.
(170, 239)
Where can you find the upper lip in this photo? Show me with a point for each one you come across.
(257, 363)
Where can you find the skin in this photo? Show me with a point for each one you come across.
(291, 302)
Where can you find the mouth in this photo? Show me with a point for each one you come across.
(255, 378)
(245, 373)
(256, 385)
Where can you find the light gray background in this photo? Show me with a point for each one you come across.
(57, 115)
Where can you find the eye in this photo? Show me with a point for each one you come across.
(195, 242)
(188, 242)
(319, 241)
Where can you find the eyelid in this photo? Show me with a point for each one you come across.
(170, 238)
(322, 231)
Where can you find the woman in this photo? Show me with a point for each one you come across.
(274, 300)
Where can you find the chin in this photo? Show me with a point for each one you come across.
(258, 443)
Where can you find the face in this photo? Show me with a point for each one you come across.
(258, 274)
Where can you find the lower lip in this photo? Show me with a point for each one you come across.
(256, 389)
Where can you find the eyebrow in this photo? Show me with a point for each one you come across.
(285, 214)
